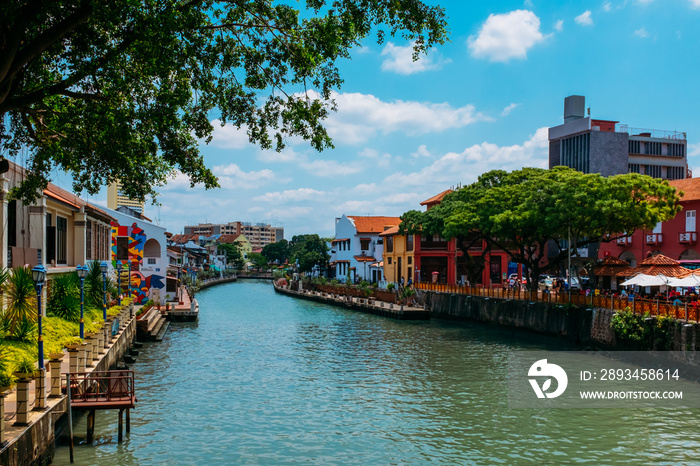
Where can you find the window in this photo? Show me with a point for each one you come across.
(88, 241)
(364, 244)
(12, 223)
(61, 239)
(388, 259)
(390, 244)
(409, 260)
(151, 261)
(122, 248)
(409, 243)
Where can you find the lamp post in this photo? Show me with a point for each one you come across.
(82, 273)
(104, 267)
(119, 277)
(38, 275)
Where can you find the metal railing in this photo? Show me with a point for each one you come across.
(654, 307)
(103, 387)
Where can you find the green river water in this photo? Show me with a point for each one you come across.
(268, 379)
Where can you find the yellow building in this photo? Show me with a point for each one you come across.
(397, 255)
(116, 199)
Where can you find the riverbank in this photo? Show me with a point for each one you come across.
(35, 443)
(366, 305)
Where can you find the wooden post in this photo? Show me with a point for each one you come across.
(70, 416)
(128, 420)
(121, 425)
(90, 426)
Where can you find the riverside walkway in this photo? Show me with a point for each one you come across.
(367, 305)
(653, 307)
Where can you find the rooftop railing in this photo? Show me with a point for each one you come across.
(652, 133)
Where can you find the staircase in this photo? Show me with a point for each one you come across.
(151, 326)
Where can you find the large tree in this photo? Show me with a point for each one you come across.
(523, 211)
(277, 252)
(125, 89)
(309, 251)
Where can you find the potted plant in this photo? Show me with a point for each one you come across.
(74, 343)
(6, 381)
(25, 369)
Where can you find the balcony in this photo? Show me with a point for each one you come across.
(624, 241)
(654, 239)
(433, 245)
(689, 237)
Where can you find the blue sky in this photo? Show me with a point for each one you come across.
(405, 131)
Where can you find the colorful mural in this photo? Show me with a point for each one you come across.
(142, 285)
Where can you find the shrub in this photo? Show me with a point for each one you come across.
(390, 286)
(24, 330)
(21, 297)
(630, 328)
(64, 301)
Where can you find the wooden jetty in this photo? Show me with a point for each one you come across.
(367, 305)
(185, 310)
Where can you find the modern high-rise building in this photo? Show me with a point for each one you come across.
(259, 234)
(603, 146)
(116, 199)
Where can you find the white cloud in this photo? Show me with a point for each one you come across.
(361, 116)
(400, 60)
(287, 155)
(466, 166)
(232, 177)
(506, 36)
(528, 3)
(641, 32)
(422, 151)
(607, 6)
(228, 136)
(331, 168)
(292, 195)
(559, 25)
(695, 3)
(379, 159)
(694, 149)
(506, 111)
(584, 19)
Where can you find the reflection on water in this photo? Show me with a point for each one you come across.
(267, 379)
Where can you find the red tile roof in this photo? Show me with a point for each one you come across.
(391, 231)
(690, 188)
(228, 239)
(437, 198)
(373, 224)
(657, 265)
(611, 266)
(365, 259)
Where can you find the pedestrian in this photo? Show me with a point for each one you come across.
(410, 282)
(402, 281)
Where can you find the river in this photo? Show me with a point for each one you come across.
(268, 379)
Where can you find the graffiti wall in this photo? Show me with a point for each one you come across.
(145, 282)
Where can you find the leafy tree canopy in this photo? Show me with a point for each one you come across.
(522, 211)
(309, 251)
(234, 256)
(125, 89)
(277, 252)
(257, 260)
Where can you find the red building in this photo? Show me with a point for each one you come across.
(676, 238)
(441, 260)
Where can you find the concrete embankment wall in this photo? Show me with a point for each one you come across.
(579, 325)
(36, 446)
(216, 281)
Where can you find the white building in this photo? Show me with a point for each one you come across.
(357, 248)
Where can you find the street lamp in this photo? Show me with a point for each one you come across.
(82, 273)
(38, 275)
(104, 267)
(119, 277)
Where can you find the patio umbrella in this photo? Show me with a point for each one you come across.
(690, 280)
(647, 280)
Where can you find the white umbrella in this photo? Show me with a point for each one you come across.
(690, 280)
(647, 280)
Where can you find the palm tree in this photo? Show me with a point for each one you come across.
(21, 297)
